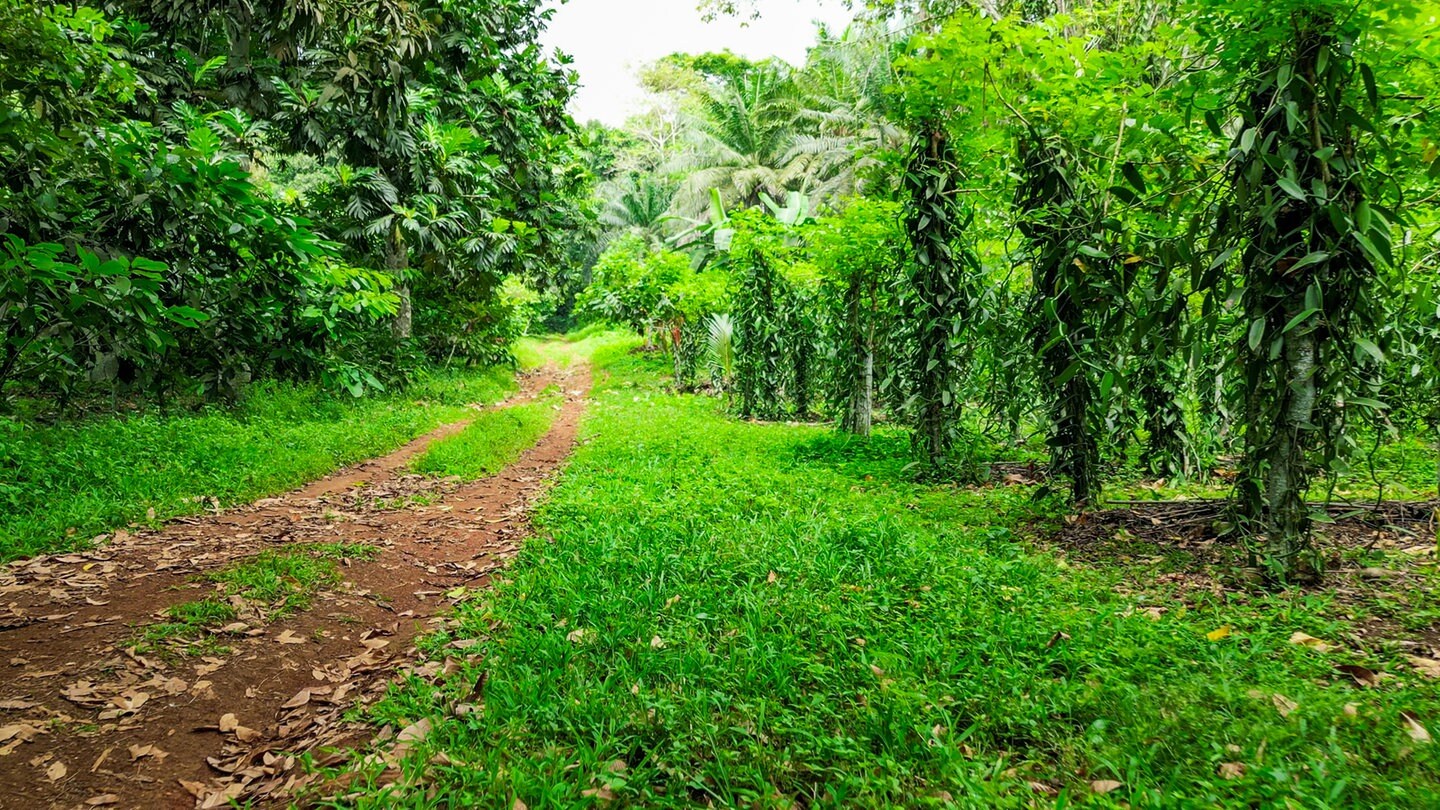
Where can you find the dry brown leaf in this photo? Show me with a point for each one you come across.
(773, 578)
(17, 705)
(1362, 676)
(1103, 786)
(519, 805)
(602, 793)
(228, 723)
(56, 771)
(289, 637)
(103, 800)
(1306, 640)
(247, 735)
(300, 699)
(1428, 667)
(1417, 732)
(1283, 704)
(414, 732)
(138, 751)
(657, 642)
(1232, 770)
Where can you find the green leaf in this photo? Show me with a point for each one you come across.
(1297, 320)
(1132, 174)
(1371, 349)
(1291, 187)
(1313, 258)
(1257, 333)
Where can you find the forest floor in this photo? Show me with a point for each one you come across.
(703, 611)
(199, 662)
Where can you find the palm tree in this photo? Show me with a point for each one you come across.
(845, 131)
(637, 202)
(737, 144)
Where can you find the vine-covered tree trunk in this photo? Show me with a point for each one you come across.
(860, 364)
(1162, 380)
(1056, 225)
(1308, 284)
(758, 323)
(935, 223)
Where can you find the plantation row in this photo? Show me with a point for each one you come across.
(1203, 230)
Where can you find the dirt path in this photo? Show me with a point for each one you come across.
(87, 721)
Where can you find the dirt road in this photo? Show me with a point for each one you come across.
(86, 720)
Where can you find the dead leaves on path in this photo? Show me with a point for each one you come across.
(256, 766)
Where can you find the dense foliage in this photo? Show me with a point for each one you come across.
(199, 194)
(1159, 237)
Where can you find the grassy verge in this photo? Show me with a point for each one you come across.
(274, 584)
(494, 439)
(566, 350)
(757, 615)
(62, 484)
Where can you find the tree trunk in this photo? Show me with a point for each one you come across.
(397, 262)
(1286, 517)
(861, 364)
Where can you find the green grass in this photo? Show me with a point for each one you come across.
(566, 350)
(497, 437)
(62, 484)
(761, 616)
(278, 583)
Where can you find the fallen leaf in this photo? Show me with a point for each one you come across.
(138, 751)
(1351, 710)
(602, 793)
(773, 578)
(1216, 635)
(57, 771)
(300, 699)
(1361, 675)
(1284, 704)
(247, 735)
(1043, 789)
(228, 723)
(414, 732)
(657, 642)
(1232, 770)
(289, 637)
(1417, 732)
(1305, 640)
(1103, 786)
(519, 805)
(1428, 667)
(577, 635)
(103, 800)
(17, 705)
(1056, 639)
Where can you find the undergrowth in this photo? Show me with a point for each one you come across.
(64, 483)
(757, 615)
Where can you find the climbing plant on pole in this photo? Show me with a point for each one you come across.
(935, 220)
(1308, 241)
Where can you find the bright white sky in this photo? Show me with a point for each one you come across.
(611, 39)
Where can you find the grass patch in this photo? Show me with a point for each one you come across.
(277, 583)
(566, 350)
(748, 615)
(62, 484)
(496, 438)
